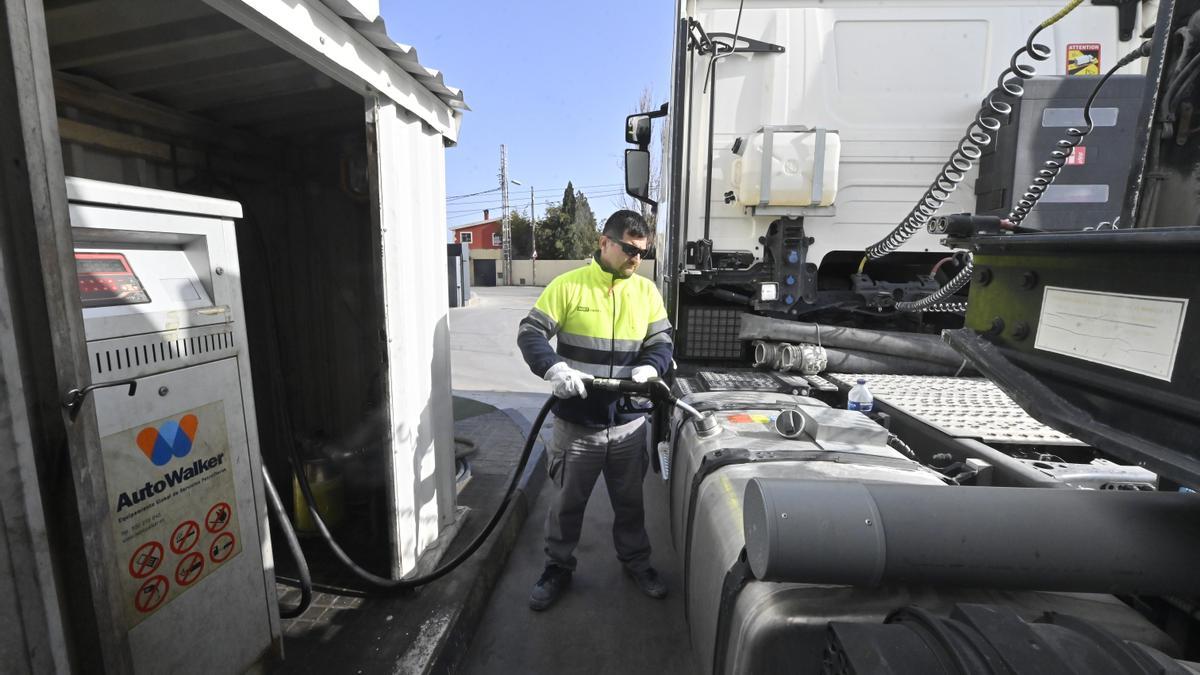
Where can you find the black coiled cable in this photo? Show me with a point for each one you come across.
(981, 133)
(1064, 147)
(936, 301)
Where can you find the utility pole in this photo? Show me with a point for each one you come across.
(506, 228)
(532, 238)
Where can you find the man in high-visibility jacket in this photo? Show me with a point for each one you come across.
(609, 322)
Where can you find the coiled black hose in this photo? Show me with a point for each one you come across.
(934, 301)
(980, 133)
(385, 584)
(1064, 147)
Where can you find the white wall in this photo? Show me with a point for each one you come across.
(411, 184)
(548, 269)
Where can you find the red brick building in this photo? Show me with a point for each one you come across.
(485, 242)
(483, 235)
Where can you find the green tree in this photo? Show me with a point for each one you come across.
(568, 230)
(521, 236)
(584, 235)
(568, 202)
(553, 235)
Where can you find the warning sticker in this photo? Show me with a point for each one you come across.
(171, 493)
(1078, 156)
(218, 517)
(151, 594)
(222, 547)
(185, 536)
(189, 569)
(145, 560)
(1083, 58)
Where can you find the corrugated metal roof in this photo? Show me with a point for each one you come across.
(404, 55)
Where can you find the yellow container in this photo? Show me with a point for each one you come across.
(328, 490)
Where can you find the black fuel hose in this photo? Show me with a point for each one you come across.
(305, 581)
(386, 584)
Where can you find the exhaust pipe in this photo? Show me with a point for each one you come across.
(868, 534)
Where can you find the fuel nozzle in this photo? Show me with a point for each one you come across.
(658, 391)
(654, 389)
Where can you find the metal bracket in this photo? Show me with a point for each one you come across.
(74, 398)
(706, 43)
(752, 46)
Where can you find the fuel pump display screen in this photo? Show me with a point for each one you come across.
(107, 280)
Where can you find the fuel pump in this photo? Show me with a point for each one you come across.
(166, 342)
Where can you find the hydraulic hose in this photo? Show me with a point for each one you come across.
(386, 584)
(914, 346)
(305, 581)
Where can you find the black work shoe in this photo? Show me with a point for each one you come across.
(550, 587)
(649, 581)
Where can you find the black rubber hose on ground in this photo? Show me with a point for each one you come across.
(289, 533)
(392, 585)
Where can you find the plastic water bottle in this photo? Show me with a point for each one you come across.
(860, 397)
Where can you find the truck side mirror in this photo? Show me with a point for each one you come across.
(637, 130)
(637, 174)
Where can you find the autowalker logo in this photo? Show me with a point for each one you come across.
(172, 439)
(160, 444)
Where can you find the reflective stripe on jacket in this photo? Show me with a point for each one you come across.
(605, 326)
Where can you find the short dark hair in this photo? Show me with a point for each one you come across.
(625, 222)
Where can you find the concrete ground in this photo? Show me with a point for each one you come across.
(604, 624)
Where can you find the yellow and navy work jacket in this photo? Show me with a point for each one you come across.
(606, 326)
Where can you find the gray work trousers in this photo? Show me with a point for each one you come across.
(575, 458)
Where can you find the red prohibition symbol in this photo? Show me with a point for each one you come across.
(222, 548)
(185, 536)
(189, 569)
(218, 517)
(151, 594)
(145, 560)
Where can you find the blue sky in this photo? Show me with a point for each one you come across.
(551, 80)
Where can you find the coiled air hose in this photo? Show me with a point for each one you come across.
(932, 302)
(980, 134)
(1046, 176)
(1064, 147)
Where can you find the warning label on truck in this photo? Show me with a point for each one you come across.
(171, 496)
(1083, 58)
(1138, 333)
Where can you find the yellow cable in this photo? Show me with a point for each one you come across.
(1061, 13)
(862, 264)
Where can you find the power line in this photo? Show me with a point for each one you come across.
(472, 194)
(543, 190)
(488, 206)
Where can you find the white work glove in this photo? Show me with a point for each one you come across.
(642, 374)
(565, 381)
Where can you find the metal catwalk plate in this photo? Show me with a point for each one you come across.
(967, 407)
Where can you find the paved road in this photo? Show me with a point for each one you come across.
(485, 362)
(604, 624)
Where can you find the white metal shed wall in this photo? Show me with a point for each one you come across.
(409, 180)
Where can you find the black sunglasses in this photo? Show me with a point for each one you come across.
(631, 250)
